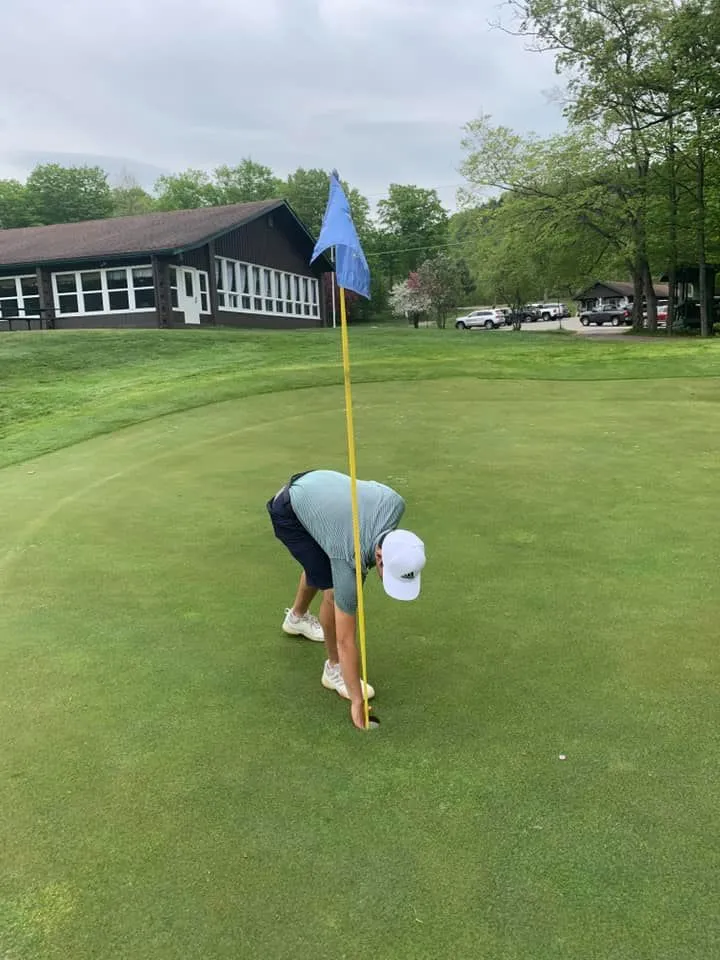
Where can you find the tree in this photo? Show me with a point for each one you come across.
(129, 198)
(58, 194)
(246, 183)
(693, 38)
(440, 281)
(644, 76)
(413, 227)
(307, 193)
(186, 191)
(408, 299)
(14, 208)
(564, 198)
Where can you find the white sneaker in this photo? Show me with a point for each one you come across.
(332, 679)
(307, 626)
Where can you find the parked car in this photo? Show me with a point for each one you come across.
(617, 316)
(551, 311)
(489, 319)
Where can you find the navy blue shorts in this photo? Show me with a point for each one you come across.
(289, 531)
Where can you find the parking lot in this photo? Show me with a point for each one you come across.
(568, 323)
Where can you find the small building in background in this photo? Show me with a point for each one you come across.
(614, 295)
(243, 265)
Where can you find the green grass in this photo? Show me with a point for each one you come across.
(57, 389)
(175, 784)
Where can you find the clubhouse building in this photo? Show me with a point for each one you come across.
(243, 265)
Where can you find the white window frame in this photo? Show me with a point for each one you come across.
(105, 291)
(287, 293)
(21, 297)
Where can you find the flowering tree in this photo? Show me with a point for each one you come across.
(442, 283)
(408, 299)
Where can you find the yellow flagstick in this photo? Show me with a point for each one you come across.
(353, 490)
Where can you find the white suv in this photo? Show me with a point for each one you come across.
(489, 319)
(551, 311)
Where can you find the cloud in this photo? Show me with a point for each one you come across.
(378, 88)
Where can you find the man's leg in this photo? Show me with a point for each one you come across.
(299, 622)
(327, 621)
(305, 596)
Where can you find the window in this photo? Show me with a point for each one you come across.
(103, 291)
(204, 298)
(144, 288)
(288, 294)
(315, 301)
(257, 289)
(231, 283)
(268, 286)
(246, 287)
(19, 297)
(118, 289)
(220, 280)
(66, 285)
(92, 299)
(173, 288)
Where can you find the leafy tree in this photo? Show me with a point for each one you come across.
(14, 209)
(58, 194)
(246, 183)
(129, 198)
(565, 196)
(186, 191)
(644, 77)
(307, 193)
(413, 226)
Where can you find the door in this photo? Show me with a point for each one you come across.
(189, 294)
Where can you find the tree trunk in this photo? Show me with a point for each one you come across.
(673, 202)
(705, 330)
(637, 311)
(650, 298)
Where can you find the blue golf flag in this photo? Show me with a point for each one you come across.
(338, 230)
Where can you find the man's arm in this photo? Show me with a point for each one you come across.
(345, 627)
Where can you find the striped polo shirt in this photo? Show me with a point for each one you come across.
(322, 503)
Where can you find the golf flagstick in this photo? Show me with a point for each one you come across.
(353, 493)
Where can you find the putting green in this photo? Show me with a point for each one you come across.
(176, 784)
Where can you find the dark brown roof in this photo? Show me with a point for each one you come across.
(619, 287)
(118, 236)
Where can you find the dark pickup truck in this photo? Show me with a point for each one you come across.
(616, 317)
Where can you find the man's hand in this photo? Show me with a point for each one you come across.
(357, 712)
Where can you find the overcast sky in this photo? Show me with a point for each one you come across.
(378, 88)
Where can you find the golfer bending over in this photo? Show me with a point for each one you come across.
(312, 516)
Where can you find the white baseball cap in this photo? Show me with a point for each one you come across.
(403, 557)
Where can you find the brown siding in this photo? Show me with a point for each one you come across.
(100, 321)
(272, 241)
(195, 258)
(47, 305)
(161, 282)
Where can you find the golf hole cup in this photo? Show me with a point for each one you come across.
(373, 724)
